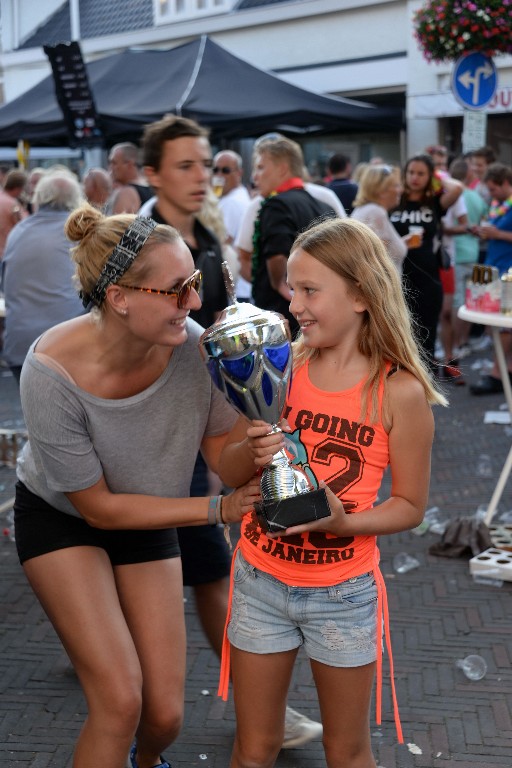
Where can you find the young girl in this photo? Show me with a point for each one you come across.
(360, 400)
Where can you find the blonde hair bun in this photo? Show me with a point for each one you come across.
(82, 223)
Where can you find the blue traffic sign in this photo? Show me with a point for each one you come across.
(474, 80)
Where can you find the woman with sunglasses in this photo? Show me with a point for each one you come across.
(379, 192)
(117, 404)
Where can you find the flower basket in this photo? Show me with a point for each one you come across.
(448, 29)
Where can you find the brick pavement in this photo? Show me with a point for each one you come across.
(438, 615)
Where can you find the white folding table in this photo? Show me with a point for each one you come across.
(495, 321)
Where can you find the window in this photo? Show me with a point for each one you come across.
(177, 10)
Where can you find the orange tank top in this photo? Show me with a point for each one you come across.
(329, 443)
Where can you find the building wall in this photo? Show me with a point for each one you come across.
(21, 17)
(274, 37)
(343, 47)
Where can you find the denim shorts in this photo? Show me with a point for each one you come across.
(337, 625)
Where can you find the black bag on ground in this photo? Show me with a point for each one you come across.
(464, 537)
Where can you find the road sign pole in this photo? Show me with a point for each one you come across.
(474, 130)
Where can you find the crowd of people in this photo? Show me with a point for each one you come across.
(135, 461)
(449, 214)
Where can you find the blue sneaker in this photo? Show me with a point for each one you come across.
(132, 761)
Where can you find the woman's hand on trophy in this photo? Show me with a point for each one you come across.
(263, 442)
(241, 501)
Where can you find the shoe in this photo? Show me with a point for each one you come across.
(132, 759)
(481, 343)
(299, 729)
(438, 351)
(463, 351)
(488, 385)
(452, 374)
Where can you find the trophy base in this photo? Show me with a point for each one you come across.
(276, 516)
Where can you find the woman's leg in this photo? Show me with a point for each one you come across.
(344, 695)
(260, 686)
(151, 596)
(76, 588)
(446, 327)
(424, 297)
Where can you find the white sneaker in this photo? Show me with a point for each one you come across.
(460, 353)
(299, 729)
(481, 344)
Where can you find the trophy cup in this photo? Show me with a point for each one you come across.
(249, 357)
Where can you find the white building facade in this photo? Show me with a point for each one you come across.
(362, 50)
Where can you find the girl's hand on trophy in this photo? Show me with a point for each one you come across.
(263, 443)
(338, 523)
(241, 501)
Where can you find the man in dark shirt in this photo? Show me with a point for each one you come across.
(287, 209)
(340, 169)
(130, 187)
(178, 162)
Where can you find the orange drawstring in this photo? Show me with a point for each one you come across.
(223, 689)
(382, 608)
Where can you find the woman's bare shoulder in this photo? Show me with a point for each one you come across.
(65, 339)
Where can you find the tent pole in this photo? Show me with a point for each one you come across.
(193, 77)
(74, 19)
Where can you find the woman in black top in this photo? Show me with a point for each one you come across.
(424, 201)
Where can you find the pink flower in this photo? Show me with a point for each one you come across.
(462, 26)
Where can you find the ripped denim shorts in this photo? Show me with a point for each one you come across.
(337, 625)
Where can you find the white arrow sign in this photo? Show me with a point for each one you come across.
(468, 80)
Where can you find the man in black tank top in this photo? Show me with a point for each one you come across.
(131, 189)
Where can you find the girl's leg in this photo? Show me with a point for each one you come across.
(260, 685)
(76, 588)
(151, 596)
(344, 697)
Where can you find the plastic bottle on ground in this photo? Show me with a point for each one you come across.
(473, 666)
(403, 562)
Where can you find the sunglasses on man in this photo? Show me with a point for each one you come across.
(223, 169)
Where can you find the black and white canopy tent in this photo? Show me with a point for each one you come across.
(200, 80)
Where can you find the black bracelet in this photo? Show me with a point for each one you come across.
(220, 511)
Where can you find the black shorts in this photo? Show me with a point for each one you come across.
(205, 555)
(40, 528)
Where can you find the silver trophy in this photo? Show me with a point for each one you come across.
(249, 357)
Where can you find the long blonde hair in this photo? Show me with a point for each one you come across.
(356, 254)
(374, 180)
